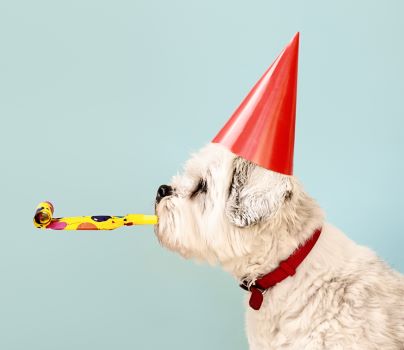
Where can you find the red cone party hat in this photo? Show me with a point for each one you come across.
(262, 129)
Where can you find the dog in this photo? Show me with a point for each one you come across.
(225, 209)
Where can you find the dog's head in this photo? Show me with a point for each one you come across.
(223, 206)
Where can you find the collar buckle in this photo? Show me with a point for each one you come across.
(244, 285)
(247, 287)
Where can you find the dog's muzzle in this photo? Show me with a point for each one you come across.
(163, 191)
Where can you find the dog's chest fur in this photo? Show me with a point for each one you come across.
(336, 300)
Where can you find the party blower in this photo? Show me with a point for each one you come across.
(44, 219)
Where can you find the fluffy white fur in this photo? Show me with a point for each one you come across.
(226, 210)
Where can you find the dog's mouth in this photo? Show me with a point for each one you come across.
(166, 221)
(162, 206)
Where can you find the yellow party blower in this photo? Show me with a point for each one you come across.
(44, 219)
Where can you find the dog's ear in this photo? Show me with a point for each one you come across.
(255, 193)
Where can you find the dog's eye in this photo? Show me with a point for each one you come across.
(202, 187)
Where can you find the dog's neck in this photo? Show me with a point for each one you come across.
(278, 240)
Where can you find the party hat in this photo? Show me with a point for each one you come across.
(262, 129)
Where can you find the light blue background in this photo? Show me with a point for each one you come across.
(102, 101)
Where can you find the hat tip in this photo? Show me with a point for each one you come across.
(295, 40)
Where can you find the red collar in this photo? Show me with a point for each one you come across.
(285, 269)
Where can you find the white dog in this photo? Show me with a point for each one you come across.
(225, 209)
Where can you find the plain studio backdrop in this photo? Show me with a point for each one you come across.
(103, 101)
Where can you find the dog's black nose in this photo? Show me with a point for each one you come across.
(163, 191)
